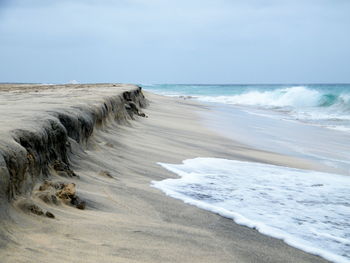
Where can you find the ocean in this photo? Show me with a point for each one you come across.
(308, 209)
(324, 105)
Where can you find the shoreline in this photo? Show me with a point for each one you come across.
(274, 132)
(126, 220)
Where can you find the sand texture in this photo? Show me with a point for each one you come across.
(76, 163)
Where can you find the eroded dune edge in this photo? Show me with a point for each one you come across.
(30, 156)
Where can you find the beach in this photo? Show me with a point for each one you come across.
(112, 163)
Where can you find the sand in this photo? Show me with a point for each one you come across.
(125, 219)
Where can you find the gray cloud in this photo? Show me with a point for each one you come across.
(175, 41)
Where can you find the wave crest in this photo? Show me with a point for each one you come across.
(296, 97)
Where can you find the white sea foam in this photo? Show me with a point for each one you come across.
(299, 102)
(307, 209)
(298, 96)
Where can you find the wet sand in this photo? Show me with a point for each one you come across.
(126, 220)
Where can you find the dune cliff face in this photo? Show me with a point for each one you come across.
(43, 142)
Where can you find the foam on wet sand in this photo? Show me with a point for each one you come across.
(308, 210)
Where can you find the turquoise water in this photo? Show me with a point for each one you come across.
(227, 90)
(325, 105)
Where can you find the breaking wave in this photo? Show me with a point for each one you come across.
(296, 97)
(325, 105)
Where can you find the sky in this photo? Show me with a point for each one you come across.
(175, 41)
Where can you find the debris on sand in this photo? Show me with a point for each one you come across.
(55, 192)
(105, 173)
(29, 206)
(63, 169)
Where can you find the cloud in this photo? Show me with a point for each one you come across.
(175, 41)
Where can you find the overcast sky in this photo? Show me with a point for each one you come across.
(175, 41)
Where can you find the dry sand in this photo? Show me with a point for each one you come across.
(125, 219)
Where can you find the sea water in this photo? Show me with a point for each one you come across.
(307, 121)
(307, 209)
(325, 105)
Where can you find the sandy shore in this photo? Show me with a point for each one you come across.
(125, 219)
